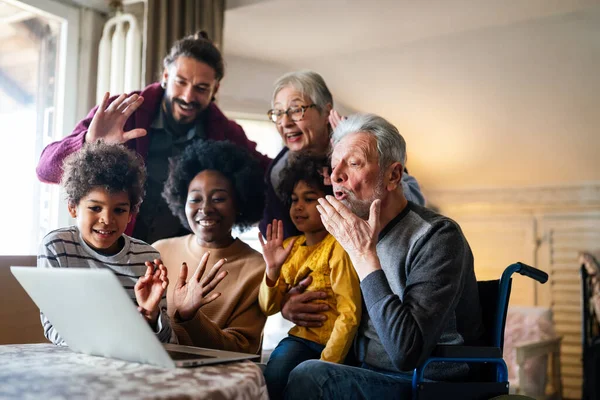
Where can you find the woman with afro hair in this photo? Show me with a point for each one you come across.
(212, 187)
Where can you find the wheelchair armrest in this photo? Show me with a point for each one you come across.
(464, 354)
(450, 351)
(490, 356)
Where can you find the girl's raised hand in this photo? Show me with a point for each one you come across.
(273, 251)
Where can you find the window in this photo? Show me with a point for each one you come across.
(262, 131)
(34, 99)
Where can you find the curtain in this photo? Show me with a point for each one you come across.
(169, 20)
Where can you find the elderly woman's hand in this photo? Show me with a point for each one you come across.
(190, 296)
(335, 118)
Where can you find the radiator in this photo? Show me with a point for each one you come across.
(119, 56)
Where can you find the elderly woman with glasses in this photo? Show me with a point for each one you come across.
(302, 111)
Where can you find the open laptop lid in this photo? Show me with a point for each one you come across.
(94, 315)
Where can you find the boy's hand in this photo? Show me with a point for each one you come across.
(190, 296)
(273, 251)
(149, 290)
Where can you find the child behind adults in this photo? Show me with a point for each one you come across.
(314, 253)
(105, 186)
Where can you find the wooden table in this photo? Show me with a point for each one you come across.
(46, 371)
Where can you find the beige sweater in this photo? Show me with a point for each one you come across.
(234, 321)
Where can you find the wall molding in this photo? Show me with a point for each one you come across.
(583, 196)
(517, 200)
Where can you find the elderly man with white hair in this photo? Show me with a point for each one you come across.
(415, 267)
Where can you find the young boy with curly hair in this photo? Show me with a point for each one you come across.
(104, 184)
(315, 253)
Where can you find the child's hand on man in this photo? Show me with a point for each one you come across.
(149, 290)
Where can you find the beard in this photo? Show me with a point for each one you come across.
(362, 207)
(175, 125)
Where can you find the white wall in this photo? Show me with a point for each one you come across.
(248, 86)
(513, 105)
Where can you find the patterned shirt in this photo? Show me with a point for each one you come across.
(65, 248)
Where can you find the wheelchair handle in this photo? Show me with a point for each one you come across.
(532, 272)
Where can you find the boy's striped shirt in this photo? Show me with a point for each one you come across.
(65, 248)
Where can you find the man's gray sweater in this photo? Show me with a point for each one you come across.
(424, 295)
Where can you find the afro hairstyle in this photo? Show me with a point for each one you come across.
(234, 162)
(110, 166)
(305, 168)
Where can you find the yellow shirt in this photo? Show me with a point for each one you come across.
(333, 273)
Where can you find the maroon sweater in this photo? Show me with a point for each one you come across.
(217, 127)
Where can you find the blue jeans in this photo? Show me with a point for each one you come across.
(316, 379)
(290, 352)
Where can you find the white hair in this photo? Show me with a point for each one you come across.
(308, 83)
(390, 144)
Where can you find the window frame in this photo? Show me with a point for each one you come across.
(66, 93)
(66, 96)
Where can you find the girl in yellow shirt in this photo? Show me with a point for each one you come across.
(289, 261)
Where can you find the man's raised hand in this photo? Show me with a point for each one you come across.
(356, 235)
(109, 121)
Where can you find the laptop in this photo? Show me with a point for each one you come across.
(94, 315)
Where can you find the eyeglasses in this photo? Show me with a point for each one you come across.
(295, 113)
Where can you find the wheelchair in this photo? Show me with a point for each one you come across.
(489, 374)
